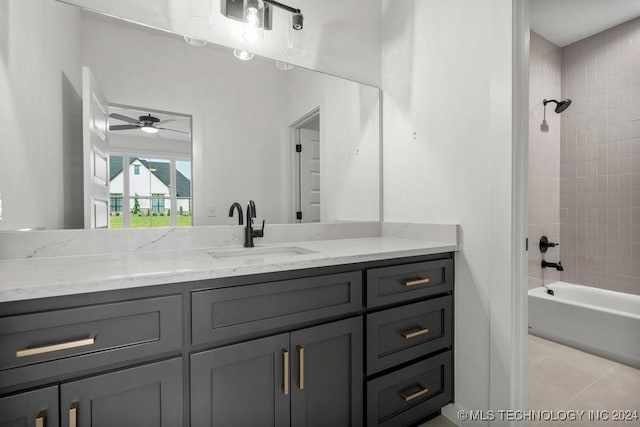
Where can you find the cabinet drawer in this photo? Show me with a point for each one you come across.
(406, 396)
(404, 333)
(389, 285)
(34, 346)
(231, 314)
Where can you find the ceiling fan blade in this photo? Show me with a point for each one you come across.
(124, 118)
(161, 122)
(124, 127)
(175, 130)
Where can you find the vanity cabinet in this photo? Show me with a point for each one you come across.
(309, 377)
(409, 341)
(369, 343)
(145, 396)
(32, 408)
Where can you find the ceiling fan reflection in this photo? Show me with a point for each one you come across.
(148, 124)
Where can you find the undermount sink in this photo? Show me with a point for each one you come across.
(259, 254)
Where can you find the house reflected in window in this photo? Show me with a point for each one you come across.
(149, 199)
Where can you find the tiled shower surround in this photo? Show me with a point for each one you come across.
(545, 62)
(600, 160)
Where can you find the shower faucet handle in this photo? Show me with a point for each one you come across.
(546, 244)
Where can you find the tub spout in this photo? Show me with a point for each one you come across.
(558, 266)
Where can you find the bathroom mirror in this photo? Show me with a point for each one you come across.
(237, 126)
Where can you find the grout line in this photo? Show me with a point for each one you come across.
(588, 386)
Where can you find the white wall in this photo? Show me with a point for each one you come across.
(447, 82)
(40, 114)
(349, 142)
(151, 147)
(342, 37)
(237, 128)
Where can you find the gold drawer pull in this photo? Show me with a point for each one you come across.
(409, 335)
(415, 282)
(56, 347)
(301, 367)
(410, 397)
(285, 368)
(73, 415)
(40, 419)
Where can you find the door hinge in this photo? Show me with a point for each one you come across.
(298, 148)
(526, 244)
(298, 215)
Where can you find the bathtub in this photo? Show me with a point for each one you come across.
(598, 321)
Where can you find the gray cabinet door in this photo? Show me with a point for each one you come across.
(33, 408)
(242, 385)
(327, 375)
(144, 396)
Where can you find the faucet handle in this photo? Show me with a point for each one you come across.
(546, 244)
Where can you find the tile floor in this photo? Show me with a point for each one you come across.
(438, 422)
(563, 378)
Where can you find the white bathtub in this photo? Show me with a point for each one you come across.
(598, 321)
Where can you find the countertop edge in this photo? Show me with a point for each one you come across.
(113, 283)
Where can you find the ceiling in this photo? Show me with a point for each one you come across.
(564, 22)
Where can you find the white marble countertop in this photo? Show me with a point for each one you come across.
(23, 279)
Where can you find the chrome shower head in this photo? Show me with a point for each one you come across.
(560, 105)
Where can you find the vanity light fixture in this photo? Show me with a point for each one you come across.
(243, 55)
(253, 20)
(257, 17)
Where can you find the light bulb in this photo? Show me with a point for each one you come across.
(242, 55)
(253, 20)
(149, 129)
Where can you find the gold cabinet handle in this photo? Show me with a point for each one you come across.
(56, 347)
(301, 367)
(40, 419)
(285, 367)
(413, 334)
(409, 397)
(73, 415)
(415, 282)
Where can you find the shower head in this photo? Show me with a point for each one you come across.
(560, 105)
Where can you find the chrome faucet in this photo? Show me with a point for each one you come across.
(236, 206)
(558, 266)
(249, 232)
